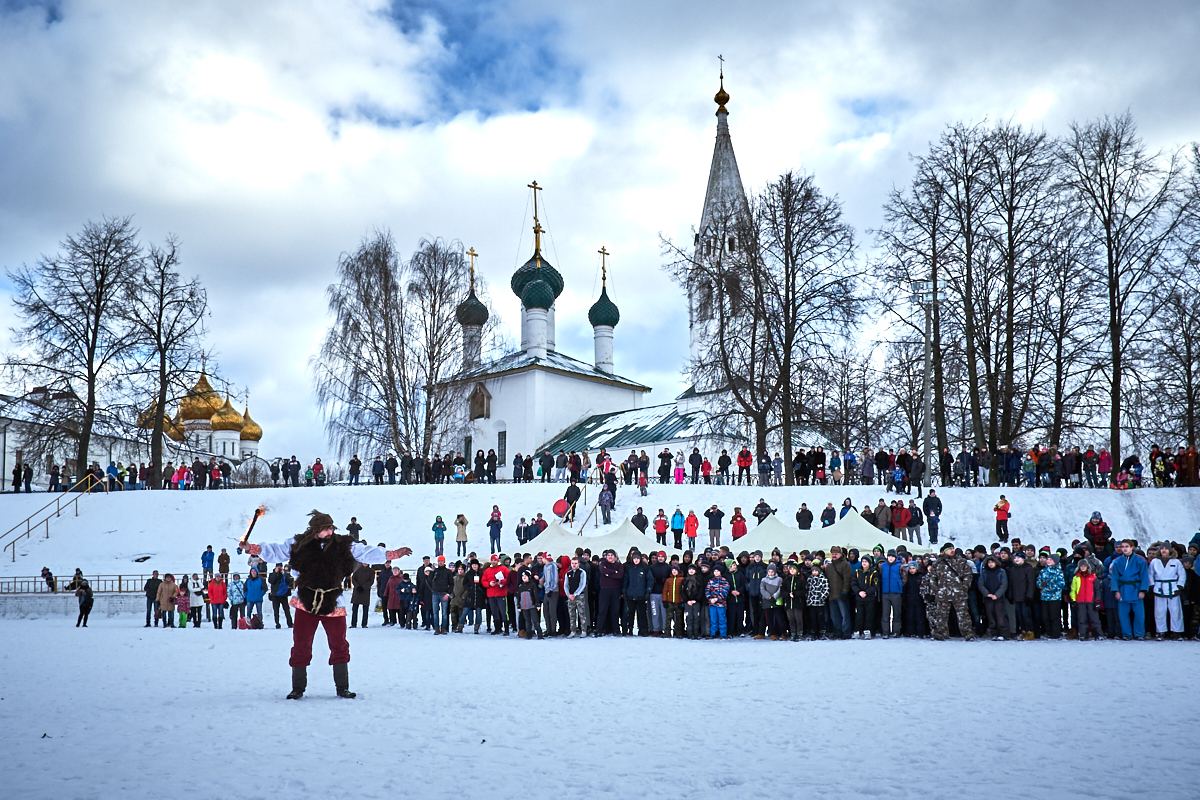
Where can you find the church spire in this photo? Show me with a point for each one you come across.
(725, 197)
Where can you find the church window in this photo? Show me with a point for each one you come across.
(502, 446)
(480, 403)
(733, 291)
(704, 298)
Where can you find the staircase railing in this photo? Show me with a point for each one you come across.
(81, 488)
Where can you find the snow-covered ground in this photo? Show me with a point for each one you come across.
(174, 527)
(120, 711)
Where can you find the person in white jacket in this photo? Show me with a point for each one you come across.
(198, 588)
(1167, 577)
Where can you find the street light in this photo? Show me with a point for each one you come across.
(926, 296)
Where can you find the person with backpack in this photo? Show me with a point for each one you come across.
(236, 593)
(281, 589)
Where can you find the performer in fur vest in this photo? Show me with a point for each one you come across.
(321, 561)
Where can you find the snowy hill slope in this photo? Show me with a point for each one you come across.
(174, 527)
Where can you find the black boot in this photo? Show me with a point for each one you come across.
(299, 682)
(341, 679)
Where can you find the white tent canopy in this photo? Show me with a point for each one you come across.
(849, 531)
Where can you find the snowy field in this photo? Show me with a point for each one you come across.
(120, 711)
(172, 528)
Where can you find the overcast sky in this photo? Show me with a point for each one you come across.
(272, 136)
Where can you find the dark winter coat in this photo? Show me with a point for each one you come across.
(866, 580)
(839, 574)
(638, 580)
(321, 564)
(754, 572)
(804, 519)
(362, 582)
(611, 575)
(1022, 583)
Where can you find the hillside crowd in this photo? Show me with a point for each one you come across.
(1039, 466)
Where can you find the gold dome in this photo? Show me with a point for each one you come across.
(202, 401)
(250, 431)
(721, 97)
(174, 427)
(226, 418)
(146, 418)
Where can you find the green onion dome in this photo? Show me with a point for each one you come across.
(527, 273)
(537, 293)
(604, 311)
(471, 311)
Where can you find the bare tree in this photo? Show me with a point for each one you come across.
(383, 376)
(1133, 204)
(916, 240)
(166, 316)
(72, 339)
(785, 292)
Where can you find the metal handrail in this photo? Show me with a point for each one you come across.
(88, 482)
(101, 584)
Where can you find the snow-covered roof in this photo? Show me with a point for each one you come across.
(521, 360)
(628, 428)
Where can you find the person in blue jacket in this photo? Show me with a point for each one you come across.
(1130, 579)
(677, 522)
(891, 588)
(256, 590)
(206, 561)
(439, 536)
(494, 525)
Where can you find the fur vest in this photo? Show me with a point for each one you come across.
(322, 564)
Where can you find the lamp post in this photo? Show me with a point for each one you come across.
(925, 296)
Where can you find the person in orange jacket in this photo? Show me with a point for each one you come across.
(1002, 516)
(737, 523)
(660, 527)
(691, 526)
(744, 460)
(218, 595)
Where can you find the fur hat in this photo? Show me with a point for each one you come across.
(835, 550)
(319, 521)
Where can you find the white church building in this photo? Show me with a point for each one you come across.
(537, 399)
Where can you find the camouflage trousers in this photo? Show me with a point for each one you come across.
(939, 617)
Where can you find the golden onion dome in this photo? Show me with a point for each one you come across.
(721, 97)
(174, 427)
(145, 419)
(250, 431)
(202, 401)
(226, 418)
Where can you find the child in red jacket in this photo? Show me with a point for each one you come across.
(1084, 594)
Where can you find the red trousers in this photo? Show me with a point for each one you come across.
(302, 638)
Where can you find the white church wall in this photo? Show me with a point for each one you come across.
(533, 407)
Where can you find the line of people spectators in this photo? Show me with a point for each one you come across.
(1001, 592)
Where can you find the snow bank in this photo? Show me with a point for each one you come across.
(172, 528)
(117, 710)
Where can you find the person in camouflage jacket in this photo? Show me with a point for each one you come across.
(950, 578)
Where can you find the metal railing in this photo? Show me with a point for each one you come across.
(112, 584)
(81, 488)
